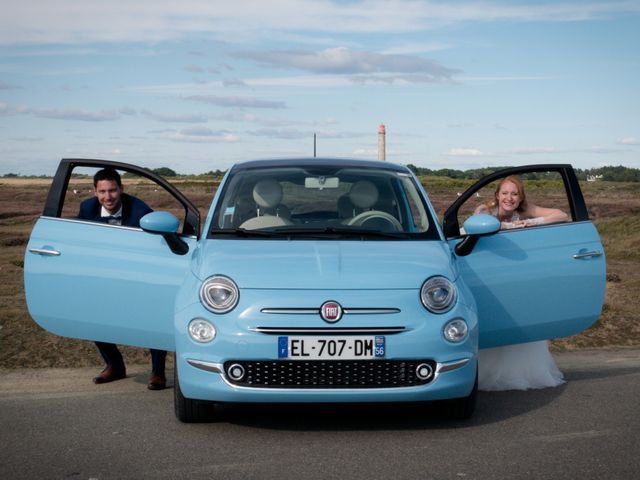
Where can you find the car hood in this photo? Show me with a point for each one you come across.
(321, 264)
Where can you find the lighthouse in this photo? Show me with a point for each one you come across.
(381, 143)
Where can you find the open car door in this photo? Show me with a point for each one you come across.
(532, 283)
(105, 282)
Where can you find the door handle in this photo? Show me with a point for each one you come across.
(45, 251)
(593, 253)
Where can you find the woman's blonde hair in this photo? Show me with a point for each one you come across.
(519, 185)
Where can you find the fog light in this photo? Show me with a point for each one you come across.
(201, 330)
(236, 371)
(456, 330)
(424, 371)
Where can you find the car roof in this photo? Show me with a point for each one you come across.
(319, 162)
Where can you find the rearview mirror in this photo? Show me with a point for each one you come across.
(321, 182)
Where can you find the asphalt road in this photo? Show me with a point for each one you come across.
(57, 424)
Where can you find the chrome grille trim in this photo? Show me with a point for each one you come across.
(329, 375)
(328, 330)
(207, 366)
(448, 366)
(219, 369)
(291, 311)
(316, 311)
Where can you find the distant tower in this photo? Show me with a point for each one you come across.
(382, 143)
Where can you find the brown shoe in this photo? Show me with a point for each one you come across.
(109, 375)
(156, 382)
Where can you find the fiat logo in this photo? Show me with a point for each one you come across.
(331, 311)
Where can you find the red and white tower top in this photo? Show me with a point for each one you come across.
(382, 154)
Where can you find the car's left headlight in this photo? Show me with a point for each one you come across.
(455, 330)
(219, 294)
(438, 294)
(201, 330)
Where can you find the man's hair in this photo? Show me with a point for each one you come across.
(107, 174)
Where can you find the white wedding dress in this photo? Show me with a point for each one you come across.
(518, 367)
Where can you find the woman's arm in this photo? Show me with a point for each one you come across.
(535, 215)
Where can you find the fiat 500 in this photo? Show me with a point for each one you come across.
(316, 280)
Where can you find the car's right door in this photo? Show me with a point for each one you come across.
(538, 282)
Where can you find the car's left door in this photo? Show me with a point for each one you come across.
(539, 282)
(105, 282)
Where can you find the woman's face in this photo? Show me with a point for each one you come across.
(508, 197)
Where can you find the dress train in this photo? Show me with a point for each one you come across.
(518, 367)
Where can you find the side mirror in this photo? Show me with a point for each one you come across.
(165, 224)
(475, 227)
(481, 224)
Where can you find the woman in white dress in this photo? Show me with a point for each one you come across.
(526, 365)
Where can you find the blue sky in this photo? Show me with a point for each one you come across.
(197, 85)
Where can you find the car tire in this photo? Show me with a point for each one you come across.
(189, 410)
(463, 408)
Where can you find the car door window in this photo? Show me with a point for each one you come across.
(545, 190)
(81, 188)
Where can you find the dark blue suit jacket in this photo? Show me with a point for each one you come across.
(133, 209)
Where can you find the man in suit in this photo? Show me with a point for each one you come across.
(111, 205)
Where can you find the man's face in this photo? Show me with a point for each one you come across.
(108, 193)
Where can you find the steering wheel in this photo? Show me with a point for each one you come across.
(361, 218)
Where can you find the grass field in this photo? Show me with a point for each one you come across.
(614, 207)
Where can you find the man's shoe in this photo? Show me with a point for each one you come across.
(157, 382)
(109, 375)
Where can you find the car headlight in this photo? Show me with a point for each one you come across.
(455, 330)
(438, 294)
(219, 294)
(201, 330)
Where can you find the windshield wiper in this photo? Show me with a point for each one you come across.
(243, 232)
(339, 232)
(315, 232)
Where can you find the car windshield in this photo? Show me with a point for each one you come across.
(321, 202)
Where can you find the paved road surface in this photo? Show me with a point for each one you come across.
(56, 424)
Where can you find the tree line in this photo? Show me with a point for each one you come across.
(610, 174)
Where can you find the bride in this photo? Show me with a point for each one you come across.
(526, 365)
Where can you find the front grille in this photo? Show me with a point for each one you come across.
(330, 374)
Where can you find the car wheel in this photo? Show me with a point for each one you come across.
(463, 408)
(189, 410)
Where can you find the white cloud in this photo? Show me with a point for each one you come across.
(175, 117)
(76, 114)
(464, 152)
(65, 113)
(73, 22)
(342, 60)
(199, 135)
(628, 141)
(415, 48)
(239, 102)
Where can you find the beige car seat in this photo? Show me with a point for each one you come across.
(267, 194)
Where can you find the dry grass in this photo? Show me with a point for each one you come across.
(615, 209)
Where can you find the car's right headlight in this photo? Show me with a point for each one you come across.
(219, 294)
(438, 294)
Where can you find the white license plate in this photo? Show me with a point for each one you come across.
(331, 348)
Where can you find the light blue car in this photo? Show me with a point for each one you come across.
(316, 280)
